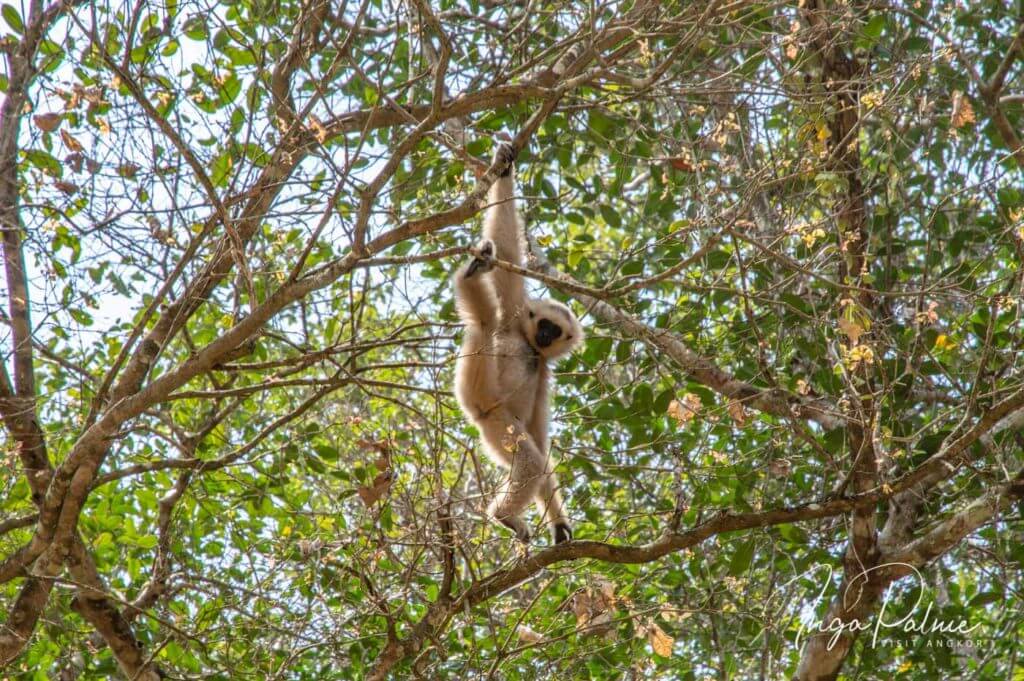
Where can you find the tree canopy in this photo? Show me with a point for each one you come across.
(793, 231)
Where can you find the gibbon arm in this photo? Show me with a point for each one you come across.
(503, 226)
(474, 298)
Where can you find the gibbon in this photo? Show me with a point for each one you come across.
(502, 373)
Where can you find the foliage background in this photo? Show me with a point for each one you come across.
(794, 231)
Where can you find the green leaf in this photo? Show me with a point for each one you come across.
(220, 169)
(13, 18)
(195, 28)
(741, 558)
(873, 28)
(45, 162)
(986, 597)
(147, 541)
(611, 217)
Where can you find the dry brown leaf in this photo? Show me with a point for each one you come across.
(963, 112)
(48, 122)
(69, 188)
(383, 447)
(684, 410)
(780, 468)
(318, 129)
(74, 160)
(603, 624)
(528, 635)
(74, 99)
(372, 494)
(660, 642)
(595, 608)
(737, 412)
(93, 95)
(673, 614)
(682, 163)
(382, 481)
(851, 329)
(70, 142)
(128, 170)
(581, 608)
(605, 594)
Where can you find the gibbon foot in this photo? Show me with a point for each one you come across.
(505, 155)
(518, 526)
(561, 532)
(485, 262)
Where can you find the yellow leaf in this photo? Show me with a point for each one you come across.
(660, 642)
(859, 354)
(871, 99)
(811, 237)
(944, 342)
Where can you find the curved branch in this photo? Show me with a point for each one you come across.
(440, 613)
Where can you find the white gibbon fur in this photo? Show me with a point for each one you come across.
(502, 372)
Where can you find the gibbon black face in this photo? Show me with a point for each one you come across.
(551, 328)
(547, 332)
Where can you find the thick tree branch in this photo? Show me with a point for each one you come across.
(439, 615)
(944, 535)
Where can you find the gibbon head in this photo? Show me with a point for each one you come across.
(551, 328)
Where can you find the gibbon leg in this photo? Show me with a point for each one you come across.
(549, 499)
(549, 502)
(508, 443)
